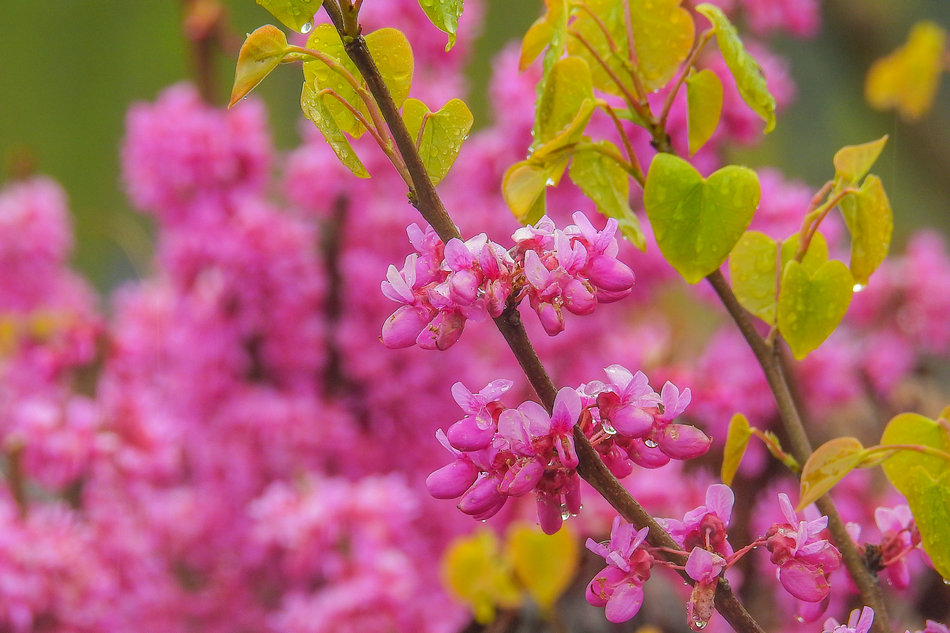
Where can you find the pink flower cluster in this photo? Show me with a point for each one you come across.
(501, 452)
(443, 286)
(804, 558)
(619, 586)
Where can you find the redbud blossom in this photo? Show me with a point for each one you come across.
(619, 585)
(858, 622)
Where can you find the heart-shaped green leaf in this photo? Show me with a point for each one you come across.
(752, 270)
(568, 86)
(393, 56)
(737, 439)
(750, 80)
(815, 256)
(810, 305)
(295, 14)
(608, 185)
(443, 133)
(261, 52)
(314, 106)
(871, 222)
(697, 221)
(827, 466)
(852, 162)
(444, 14)
(929, 501)
(704, 107)
(911, 428)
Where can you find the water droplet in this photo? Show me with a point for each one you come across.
(549, 182)
(858, 287)
(699, 625)
(565, 513)
(799, 619)
(650, 443)
(306, 27)
(608, 427)
(484, 520)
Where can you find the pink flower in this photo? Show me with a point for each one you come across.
(858, 622)
(704, 567)
(705, 526)
(619, 585)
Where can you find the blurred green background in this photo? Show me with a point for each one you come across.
(70, 69)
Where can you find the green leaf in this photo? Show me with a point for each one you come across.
(737, 439)
(535, 40)
(704, 107)
(564, 140)
(261, 52)
(294, 14)
(443, 133)
(393, 56)
(697, 221)
(929, 501)
(314, 106)
(568, 86)
(545, 564)
(750, 80)
(608, 185)
(852, 162)
(523, 189)
(663, 34)
(444, 14)
(815, 256)
(827, 466)
(870, 222)
(810, 305)
(752, 270)
(911, 428)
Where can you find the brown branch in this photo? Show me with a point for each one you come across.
(427, 201)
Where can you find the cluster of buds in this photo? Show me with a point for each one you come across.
(441, 286)
(501, 452)
(899, 537)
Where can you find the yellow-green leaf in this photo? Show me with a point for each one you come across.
(753, 266)
(852, 162)
(929, 501)
(870, 222)
(475, 571)
(811, 305)
(815, 256)
(568, 86)
(393, 56)
(750, 80)
(544, 564)
(911, 428)
(443, 133)
(704, 107)
(563, 141)
(697, 220)
(523, 188)
(737, 439)
(608, 185)
(444, 14)
(314, 106)
(261, 52)
(907, 79)
(535, 40)
(827, 466)
(295, 14)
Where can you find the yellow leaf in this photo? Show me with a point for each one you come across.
(475, 571)
(544, 564)
(852, 162)
(704, 106)
(907, 79)
(261, 52)
(737, 439)
(827, 466)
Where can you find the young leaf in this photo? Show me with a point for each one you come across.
(911, 428)
(444, 14)
(474, 569)
(535, 40)
(568, 86)
(750, 79)
(811, 305)
(870, 222)
(261, 52)
(443, 133)
(565, 139)
(697, 221)
(608, 185)
(815, 256)
(907, 79)
(737, 439)
(929, 501)
(294, 14)
(752, 270)
(315, 108)
(852, 162)
(827, 466)
(393, 56)
(523, 188)
(544, 564)
(704, 107)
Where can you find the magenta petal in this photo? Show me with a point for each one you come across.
(804, 582)
(522, 477)
(578, 298)
(609, 273)
(551, 319)
(549, 513)
(442, 332)
(451, 480)
(404, 325)
(482, 496)
(624, 603)
(643, 455)
(467, 435)
(681, 441)
(631, 421)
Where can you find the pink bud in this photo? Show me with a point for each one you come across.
(551, 319)
(451, 480)
(481, 497)
(404, 325)
(442, 332)
(646, 456)
(468, 435)
(578, 297)
(804, 581)
(549, 513)
(463, 287)
(522, 477)
(609, 273)
(682, 441)
(631, 421)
